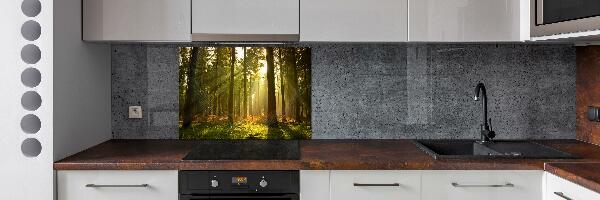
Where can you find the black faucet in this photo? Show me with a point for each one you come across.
(487, 134)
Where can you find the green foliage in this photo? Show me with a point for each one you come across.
(245, 130)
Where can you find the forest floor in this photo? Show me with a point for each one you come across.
(245, 129)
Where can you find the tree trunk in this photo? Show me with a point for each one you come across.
(271, 107)
(188, 104)
(293, 83)
(245, 96)
(230, 99)
(307, 80)
(217, 99)
(258, 103)
(250, 105)
(281, 83)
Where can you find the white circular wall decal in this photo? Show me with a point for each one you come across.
(31, 30)
(31, 8)
(31, 124)
(31, 147)
(31, 77)
(31, 54)
(31, 100)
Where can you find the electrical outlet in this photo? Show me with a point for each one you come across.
(135, 112)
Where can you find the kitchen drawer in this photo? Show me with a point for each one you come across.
(482, 185)
(387, 185)
(556, 186)
(162, 185)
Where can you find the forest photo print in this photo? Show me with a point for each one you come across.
(244, 93)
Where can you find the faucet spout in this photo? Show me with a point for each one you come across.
(480, 94)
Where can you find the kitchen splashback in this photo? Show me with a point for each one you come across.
(588, 79)
(382, 91)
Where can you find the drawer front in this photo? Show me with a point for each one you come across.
(117, 185)
(375, 185)
(482, 185)
(560, 189)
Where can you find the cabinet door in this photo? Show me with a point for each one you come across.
(560, 189)
(314, 185)
(468, 21)
(117, 185)
(245, 20)
(136, 20)
(375, 185)
(482, 185)
(353, 20)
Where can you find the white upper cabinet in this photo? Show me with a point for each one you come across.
(245, 20)
(354, 20)
(468, 20)
(136, 20)
(307, 20)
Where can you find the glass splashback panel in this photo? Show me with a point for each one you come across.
(244, 93)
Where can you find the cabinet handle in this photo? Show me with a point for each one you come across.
(562, 195)
(469, 186)
(116, 186)
(376, 184)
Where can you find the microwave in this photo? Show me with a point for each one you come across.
(553, 17)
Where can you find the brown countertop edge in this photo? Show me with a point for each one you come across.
(331, 155)
(315, 155)
(584, 174)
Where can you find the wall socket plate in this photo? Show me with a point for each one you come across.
(135, 112)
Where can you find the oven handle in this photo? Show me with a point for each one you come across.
(285, 196)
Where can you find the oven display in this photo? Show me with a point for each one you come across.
(239, 180)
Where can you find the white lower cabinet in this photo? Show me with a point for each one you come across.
(341, 185)
(314, 184)
(482, 185)
(375, 185)
(117, 185)
(560, 189)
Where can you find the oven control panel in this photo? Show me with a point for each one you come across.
(234, 182)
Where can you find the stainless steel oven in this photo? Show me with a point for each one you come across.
(551, 17)
(239, 185)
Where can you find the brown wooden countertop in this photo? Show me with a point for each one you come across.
(584, 174)
(315, 155)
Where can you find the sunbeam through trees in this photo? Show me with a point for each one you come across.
(244, 93)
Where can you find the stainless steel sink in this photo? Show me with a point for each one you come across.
(469, 149)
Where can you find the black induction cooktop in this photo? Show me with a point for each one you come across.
(245, 150)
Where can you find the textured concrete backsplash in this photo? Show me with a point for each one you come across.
(381, 91)
(147, 76)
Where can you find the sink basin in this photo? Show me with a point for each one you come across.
(469, 149)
